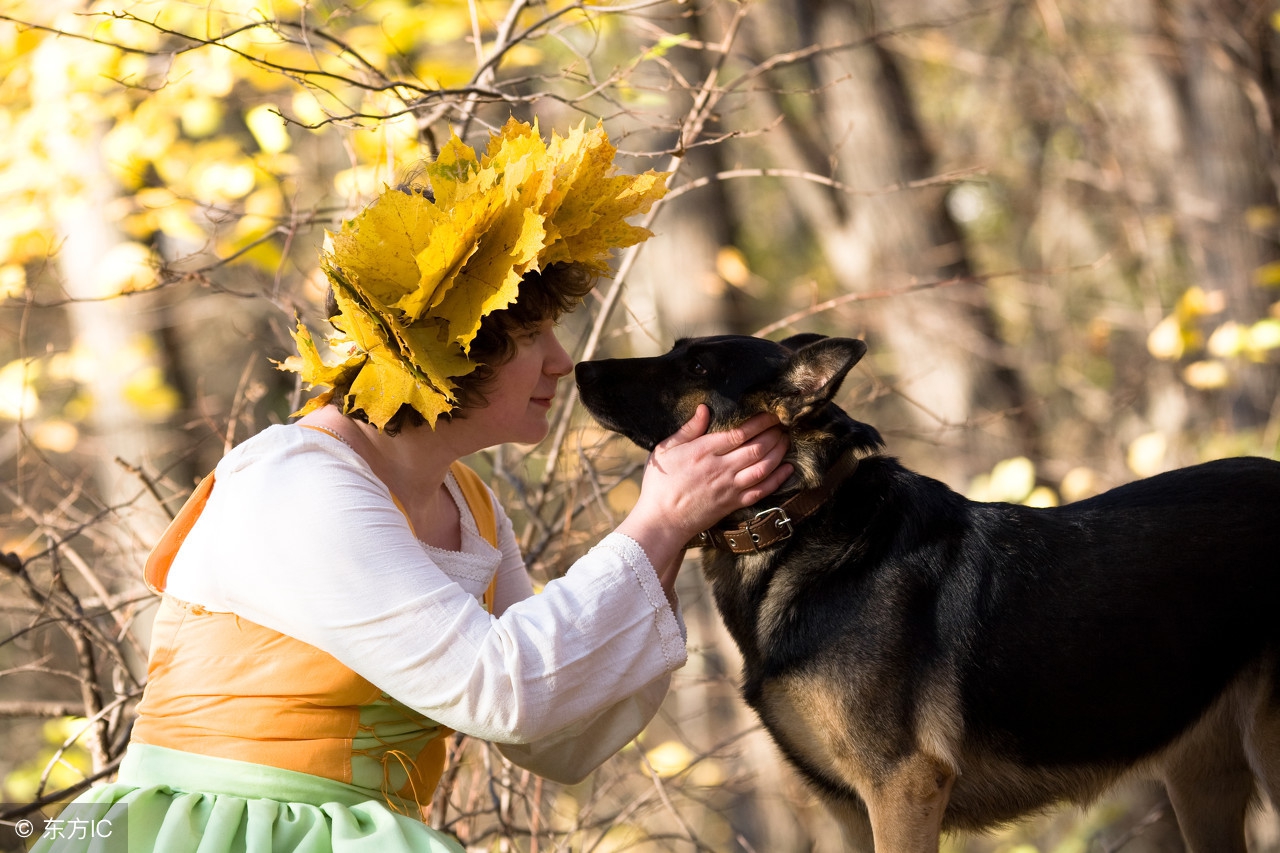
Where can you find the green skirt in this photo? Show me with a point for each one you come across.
(177, 802)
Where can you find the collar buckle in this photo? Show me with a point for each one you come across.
(786, 529)
(777, 524)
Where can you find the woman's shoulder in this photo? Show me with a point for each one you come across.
(290, 446)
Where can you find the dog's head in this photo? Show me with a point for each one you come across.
(648, 399)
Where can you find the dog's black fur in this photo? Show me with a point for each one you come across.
(930, 663)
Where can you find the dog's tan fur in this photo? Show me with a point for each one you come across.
(1206, 771)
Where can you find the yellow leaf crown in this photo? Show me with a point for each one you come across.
(413, 278)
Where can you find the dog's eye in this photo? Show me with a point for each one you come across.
(697, 368)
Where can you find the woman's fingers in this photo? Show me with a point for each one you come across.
(771, 482)
(728, 440)
(693, 428)
(760, 464)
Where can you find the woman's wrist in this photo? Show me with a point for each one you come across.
(661, 538)
(668, 575)
(663, 544)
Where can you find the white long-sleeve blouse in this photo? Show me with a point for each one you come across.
(299, 536)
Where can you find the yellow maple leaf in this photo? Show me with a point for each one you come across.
(317, 402)
(453, 167)
(357, 319)
(588, 207)
(311, 366)
(497, 232)
(452, 245)
(491, 278)
(383, 386)
(430, 349)
(379, 247)
(424, 353)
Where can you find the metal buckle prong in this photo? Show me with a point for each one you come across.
(784, 520)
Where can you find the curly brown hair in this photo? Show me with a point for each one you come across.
(543, 295)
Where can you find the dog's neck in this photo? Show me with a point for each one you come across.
(825, 451)
(777, 523)
(820, 442)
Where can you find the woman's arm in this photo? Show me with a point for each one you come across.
(299, 536)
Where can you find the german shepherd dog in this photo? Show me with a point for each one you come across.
(930, 664)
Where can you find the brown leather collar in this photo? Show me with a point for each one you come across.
(777, 524)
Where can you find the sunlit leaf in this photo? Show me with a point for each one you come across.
(379, 247)
(56, 436)
(1227, 340)
(1146, 455)
(1165, 341)
(18, 398)
(588, 206)
(268, 128)
(1267, 275)
(670, 758)
(664, 45)
(201, 116)
(1206, 375)
(1012, 479)
(1079, 483)
(491, 277)
(311, 366)
(126, 268)
(13, 281)
(383, 386)
(1264, 335)
(1041, 496)
(1197, 302)
(150, 395)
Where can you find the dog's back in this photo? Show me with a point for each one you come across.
(1120, 633)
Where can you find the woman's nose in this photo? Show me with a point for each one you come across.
(558, 361)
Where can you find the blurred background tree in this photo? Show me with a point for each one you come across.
(1054, 221)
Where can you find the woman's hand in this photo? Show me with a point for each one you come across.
(695, 478)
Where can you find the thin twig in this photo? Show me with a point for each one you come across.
(915, 287)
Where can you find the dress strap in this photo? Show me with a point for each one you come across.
(156, 570)
(481, 505)
(478, 501)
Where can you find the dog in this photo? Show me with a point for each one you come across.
(931, 664)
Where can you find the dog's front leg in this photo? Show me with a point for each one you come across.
(907, 806)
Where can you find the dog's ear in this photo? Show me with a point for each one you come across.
(803, 339)
(814, 374)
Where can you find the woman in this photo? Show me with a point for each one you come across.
(342, 592)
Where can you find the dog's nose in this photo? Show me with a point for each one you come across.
(585, 373)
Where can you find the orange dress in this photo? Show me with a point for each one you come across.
(244, 733)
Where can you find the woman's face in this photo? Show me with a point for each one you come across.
(522, 389)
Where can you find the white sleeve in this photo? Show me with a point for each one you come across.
(300, 537)
(570, 755)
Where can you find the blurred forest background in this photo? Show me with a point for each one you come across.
(1055, 222)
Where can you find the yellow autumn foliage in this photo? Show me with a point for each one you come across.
(413, 278)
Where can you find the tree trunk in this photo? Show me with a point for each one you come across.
(948, 363)
(1224, 76)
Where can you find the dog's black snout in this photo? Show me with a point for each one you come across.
(588, 375)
